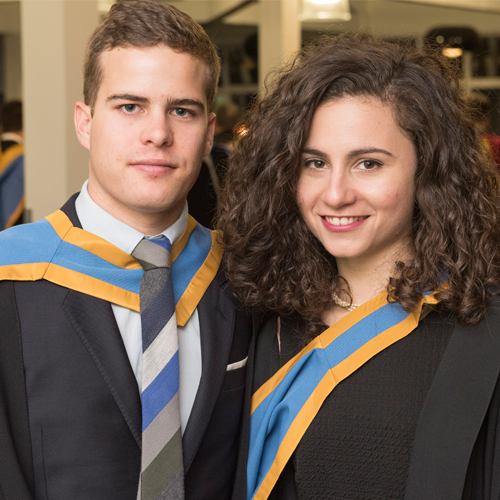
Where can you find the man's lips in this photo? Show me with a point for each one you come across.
(152, 163)
(153, 166)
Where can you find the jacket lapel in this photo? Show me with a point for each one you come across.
(216, 314)
(96, 326)
(69, 209)
(454, 410)
(94, 321)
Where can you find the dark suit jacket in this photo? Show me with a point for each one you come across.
(70, 410)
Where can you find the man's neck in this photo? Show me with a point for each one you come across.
(98, 221)
(147, 223)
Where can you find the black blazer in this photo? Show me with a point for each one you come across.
(456, 450)
(70, 410)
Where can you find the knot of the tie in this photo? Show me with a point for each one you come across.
(153, 252)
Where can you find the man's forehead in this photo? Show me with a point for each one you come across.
(127, 70)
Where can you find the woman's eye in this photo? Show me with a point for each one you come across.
(315, 163)
(370, 164)
(129, 108)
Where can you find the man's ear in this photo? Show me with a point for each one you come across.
(83, 120)
(210, 134)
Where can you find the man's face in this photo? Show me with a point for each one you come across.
(148, 133)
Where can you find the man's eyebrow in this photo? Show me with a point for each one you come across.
(128, 97)
(187, 102)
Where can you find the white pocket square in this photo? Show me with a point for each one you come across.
(238, 364)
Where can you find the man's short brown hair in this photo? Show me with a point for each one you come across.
(145, 23)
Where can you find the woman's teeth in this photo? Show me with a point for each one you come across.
(343, 221)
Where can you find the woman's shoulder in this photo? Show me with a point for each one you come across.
(494, 301)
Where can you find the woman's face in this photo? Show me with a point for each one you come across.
(356, 189)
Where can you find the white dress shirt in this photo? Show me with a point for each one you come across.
(99, 222)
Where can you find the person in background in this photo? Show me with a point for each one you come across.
(361, 213)
(206, 192)
(11, 164)
(482, 108)
(228, 115)
(123, 354)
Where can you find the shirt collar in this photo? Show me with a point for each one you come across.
(97, 221)
(11, 136)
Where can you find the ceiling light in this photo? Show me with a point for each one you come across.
(453, 52)
(321, 10)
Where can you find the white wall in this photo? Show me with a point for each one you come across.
(10, 29)
(54, 36)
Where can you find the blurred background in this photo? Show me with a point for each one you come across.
(42, 44)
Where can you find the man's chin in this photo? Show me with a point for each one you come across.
(160, 208)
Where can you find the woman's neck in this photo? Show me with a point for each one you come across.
(366, 279)
(365, 282)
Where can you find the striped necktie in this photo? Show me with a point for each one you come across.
(162, 471)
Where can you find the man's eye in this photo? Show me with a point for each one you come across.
(181, 112)
(129, 108)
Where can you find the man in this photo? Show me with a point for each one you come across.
(11, 164)
(71, 361)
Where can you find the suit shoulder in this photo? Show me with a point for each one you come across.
(221, 282)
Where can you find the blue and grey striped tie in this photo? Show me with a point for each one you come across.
(162, 472)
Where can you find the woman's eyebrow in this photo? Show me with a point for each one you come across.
(315, 152)
(365, 151)
(352, 154)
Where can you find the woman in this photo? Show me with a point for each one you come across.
(361, 214)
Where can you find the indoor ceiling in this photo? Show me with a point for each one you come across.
(482, 5)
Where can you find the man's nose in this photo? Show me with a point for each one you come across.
(157, 130)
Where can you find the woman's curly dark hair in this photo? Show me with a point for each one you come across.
(272, 258)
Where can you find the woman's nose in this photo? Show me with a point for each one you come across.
(340, 190)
